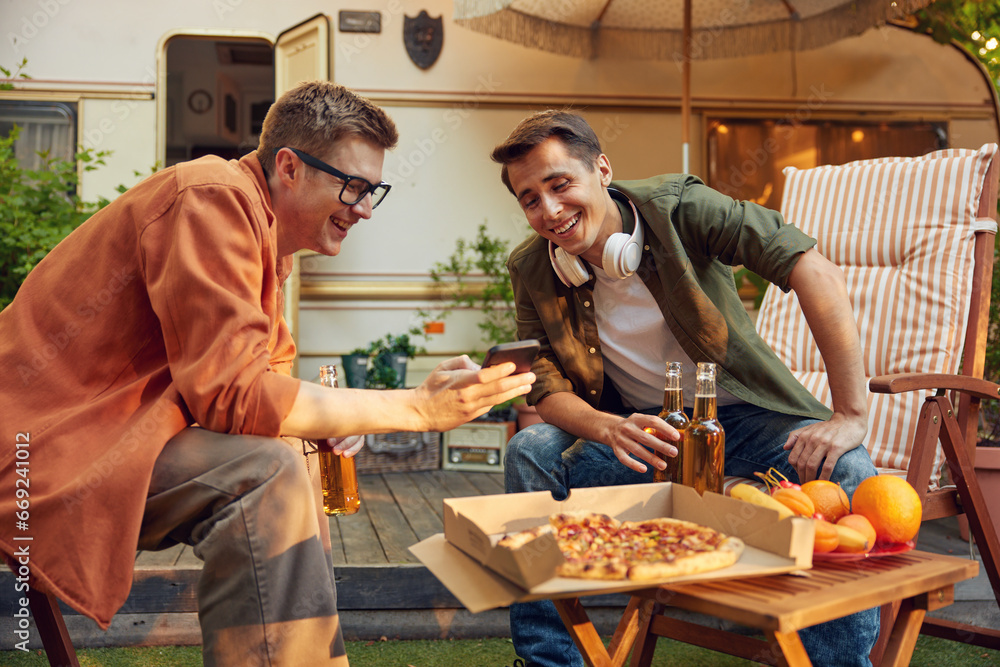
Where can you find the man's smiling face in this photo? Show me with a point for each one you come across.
(565, 199)
(319, 220)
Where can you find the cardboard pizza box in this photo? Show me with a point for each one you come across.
(483, 575)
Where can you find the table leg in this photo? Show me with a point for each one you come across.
(789, 646)
(902, 641)
(583, 632)
(635, 619)
(645, 645)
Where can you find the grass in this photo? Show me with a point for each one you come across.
(930, 652)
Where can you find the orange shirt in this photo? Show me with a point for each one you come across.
(163, 310)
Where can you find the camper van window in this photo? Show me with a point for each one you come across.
(746, 156)
(45, 127)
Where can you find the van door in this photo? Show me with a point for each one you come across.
(213, 88)
(301, 53)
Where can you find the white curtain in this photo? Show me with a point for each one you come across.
(38, 137)
(44, 127)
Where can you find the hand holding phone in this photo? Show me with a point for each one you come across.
(521, 352)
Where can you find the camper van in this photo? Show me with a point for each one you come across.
(159, 83)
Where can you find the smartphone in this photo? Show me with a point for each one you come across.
(521, 352)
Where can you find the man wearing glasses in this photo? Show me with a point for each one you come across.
(148, 382)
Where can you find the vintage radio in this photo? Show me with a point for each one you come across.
(476, 446)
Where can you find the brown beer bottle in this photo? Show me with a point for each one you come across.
(705, 442)
(673, 414)
(337, 473)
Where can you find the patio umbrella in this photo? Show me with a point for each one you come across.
(678, 30)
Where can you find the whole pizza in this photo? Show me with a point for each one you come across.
(597, 546)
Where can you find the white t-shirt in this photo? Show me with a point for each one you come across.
(637, 344)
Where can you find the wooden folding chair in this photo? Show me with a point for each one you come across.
(52, 629)
(915, 238)
(957, 430)
(48, 622)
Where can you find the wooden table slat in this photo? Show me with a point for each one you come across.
(803, 608)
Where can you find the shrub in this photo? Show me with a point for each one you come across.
(38, 208)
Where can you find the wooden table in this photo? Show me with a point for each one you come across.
(779, 606)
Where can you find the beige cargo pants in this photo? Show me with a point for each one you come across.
(253, 514)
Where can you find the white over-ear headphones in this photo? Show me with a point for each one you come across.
(620, 258)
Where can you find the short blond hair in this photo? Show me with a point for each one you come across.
(314, 115)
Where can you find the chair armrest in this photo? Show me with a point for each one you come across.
(902, 382)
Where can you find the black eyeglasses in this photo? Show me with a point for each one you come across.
(355, 188)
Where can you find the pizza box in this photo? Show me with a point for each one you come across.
(483, 575)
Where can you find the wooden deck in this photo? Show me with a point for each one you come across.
(397, 511)
(381, 588)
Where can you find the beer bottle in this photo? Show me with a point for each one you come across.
(705, 442)
(338, 473)
(673, 414)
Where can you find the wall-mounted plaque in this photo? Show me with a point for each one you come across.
(360, 21)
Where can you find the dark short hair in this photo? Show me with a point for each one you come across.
(314, 115)
(580, 140)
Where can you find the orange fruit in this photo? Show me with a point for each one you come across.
(826, 538)
(891, 505)
(859, 523)
(828, 499)
(795, 500)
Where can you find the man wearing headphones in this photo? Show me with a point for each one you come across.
(621, 278)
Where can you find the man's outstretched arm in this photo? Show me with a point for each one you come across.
(822, 293)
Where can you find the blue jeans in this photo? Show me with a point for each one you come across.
(545, 458)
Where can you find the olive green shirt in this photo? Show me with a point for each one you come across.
(694, 235)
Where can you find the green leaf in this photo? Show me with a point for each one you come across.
(38, 208)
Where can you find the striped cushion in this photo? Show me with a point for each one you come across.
(902, 230)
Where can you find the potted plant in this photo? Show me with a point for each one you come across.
(382, 363)
(477, 278)
(355, 365)
(388, 356)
